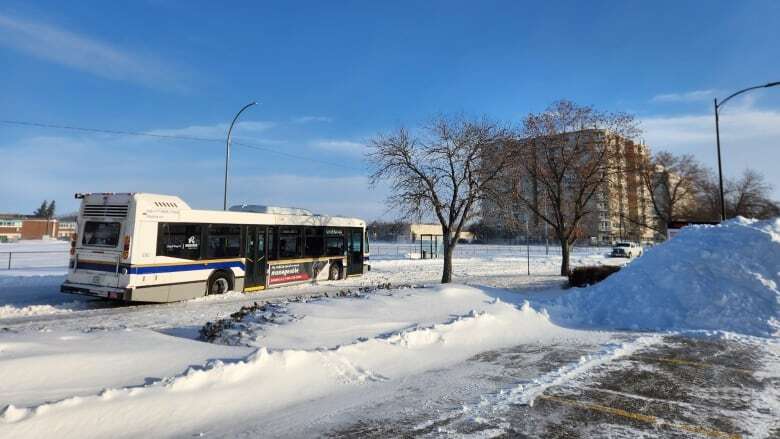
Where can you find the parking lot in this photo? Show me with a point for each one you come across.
(684, 387)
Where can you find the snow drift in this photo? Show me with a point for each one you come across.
(346, 360)
(721, 277)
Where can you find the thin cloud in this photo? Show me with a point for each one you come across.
(313, 192)
(310, 119)
(340, 146)
(691, 96)
(218, 130)
(36, 170)
(749, 138)
(89, 55)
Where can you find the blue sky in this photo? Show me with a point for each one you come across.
(329, 75)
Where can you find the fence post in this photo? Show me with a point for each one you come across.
(9, 259)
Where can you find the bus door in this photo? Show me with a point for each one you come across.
(255, 258)
(354, 251)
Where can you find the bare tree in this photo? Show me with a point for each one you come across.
(749, 196)
(442, 172)
(672, 182)
(566, 156)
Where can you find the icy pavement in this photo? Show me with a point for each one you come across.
(681, 386)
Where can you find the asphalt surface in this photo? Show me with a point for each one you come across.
(684, 387)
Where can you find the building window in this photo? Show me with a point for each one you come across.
(10, 223)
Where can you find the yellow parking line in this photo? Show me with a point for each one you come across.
(691, 363)
(648, 419)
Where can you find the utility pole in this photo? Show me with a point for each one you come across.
(720, 166)
(227, 151)
(717, 139)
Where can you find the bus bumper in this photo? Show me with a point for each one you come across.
(96, 291)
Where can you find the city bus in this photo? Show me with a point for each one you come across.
(144, 247)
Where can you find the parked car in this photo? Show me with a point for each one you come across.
(626, 250)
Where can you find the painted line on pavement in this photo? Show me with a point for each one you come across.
(648, 419)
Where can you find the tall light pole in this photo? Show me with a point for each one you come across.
(717, 139)
(227, 150)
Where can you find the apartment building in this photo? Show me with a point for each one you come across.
(620, 210)
(624, 206)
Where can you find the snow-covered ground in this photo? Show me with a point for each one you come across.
(391, 353)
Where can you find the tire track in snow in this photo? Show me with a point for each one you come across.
(490, 407)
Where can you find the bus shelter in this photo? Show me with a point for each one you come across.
(430, 246)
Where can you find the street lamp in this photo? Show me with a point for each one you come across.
(717, 137)
(227, 150)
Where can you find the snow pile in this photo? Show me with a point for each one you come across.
(721, 277)
(386, 347)
(10, 311)
(24, 296)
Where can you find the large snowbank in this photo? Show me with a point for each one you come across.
(721, 277)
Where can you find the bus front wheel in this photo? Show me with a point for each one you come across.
(218, 284)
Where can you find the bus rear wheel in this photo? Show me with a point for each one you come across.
(334, 273)
(218, 284)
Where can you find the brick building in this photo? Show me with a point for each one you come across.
(16, 227)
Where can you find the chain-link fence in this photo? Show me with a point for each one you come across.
(33, 259)
(379, 250)
(391, 250)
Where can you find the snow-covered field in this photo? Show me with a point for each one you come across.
(393, 353)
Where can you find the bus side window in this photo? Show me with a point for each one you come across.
(289, 242)
(334, 242)
(272, 244)
(356, 240)
(178, 240)
(224, 241)
(314, 242)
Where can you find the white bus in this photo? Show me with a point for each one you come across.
(154, 248)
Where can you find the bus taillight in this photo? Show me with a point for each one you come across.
(126, 248)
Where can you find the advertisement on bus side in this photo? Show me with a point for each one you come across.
(294, 272)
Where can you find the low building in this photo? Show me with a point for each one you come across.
(15, 227)
(66, 229)
(10, 228)
(39, 228)
(419, 231)
(404, 232)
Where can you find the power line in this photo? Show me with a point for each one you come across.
(171, 136)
